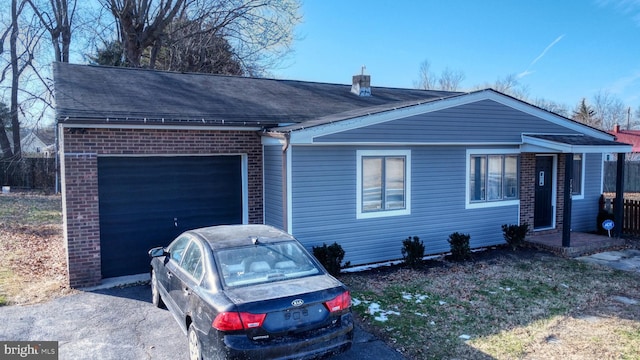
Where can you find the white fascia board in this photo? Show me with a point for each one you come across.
(157, 127)
(532, 144)
(387, 144)
(307, 136)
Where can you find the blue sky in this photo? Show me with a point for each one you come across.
(562, 50)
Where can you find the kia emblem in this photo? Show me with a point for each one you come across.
(297, 302)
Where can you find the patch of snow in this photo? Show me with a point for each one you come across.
(355, 302)
(465, 337)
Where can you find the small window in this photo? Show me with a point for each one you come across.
(192, 262)
(493, 178)
(576, 184)
(383, 183)
(176, 250)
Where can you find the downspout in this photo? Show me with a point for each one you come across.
(285, 210)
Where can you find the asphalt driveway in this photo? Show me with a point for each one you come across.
(121, 323)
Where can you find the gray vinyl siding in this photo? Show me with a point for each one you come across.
(324, 204)
(273, 214)
(482, 121)
(584, 212)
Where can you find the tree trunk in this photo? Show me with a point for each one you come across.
(15, 75)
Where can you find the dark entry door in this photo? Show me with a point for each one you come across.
(147, 201)
(543, 213)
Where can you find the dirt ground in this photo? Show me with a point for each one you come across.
(33, 267)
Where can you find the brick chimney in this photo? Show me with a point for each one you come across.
(361, 84)
(616, 128)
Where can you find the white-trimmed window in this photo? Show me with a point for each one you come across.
(492, 178)
(383, 183)
(578, 176)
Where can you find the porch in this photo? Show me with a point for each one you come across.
(581, 243)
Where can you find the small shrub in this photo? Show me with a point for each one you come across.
(330, 257)
(515, 234)
(460, 246)
(412, 251)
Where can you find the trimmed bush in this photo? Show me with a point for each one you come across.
(515, 234)
(412, 251)
(460, 249)
(330, 257)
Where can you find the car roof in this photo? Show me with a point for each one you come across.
(226, 236)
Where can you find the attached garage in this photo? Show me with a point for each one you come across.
(146, 201)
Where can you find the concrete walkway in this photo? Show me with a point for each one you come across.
(627, 260)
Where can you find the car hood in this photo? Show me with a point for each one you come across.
(279, 289)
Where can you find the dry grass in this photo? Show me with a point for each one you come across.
(33, 268)
(510, 305)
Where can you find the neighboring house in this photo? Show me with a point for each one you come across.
(33, 145)
(147, 154)
(631, 137)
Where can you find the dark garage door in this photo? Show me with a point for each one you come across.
(148, 201)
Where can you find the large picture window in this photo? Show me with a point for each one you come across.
(383, 183)
(493, 177)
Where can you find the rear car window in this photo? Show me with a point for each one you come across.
(265, 262)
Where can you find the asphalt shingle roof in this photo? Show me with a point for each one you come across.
(575, 140)
(97, 94)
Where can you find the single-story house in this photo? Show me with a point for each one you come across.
(631, 137)
(148, 154)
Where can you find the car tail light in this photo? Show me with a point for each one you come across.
(340, 302)
(229, 321)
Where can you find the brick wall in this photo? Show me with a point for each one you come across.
(80, 149)
(528, 180)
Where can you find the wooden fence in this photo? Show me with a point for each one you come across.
(29, 174)
(630, 214)
(631, 222)
(631, 176)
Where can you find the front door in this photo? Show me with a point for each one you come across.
(543, 213)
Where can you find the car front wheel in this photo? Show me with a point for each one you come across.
(155, 294)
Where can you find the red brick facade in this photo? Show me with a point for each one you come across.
(80, 149)
(528, 188)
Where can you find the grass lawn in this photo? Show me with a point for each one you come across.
(502, 305)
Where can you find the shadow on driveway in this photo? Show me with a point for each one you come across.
(121, 323)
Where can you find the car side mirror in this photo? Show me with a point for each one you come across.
(158, 252)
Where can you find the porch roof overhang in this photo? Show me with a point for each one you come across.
(574, 143)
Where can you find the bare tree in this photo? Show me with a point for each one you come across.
(24, 39)
(609, 109)
(426, 79)
(450, 80)
(57, 17)
(554, 107)
(259, 31)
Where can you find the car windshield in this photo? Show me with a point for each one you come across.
(264, 262)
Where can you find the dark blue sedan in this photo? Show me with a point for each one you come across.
(250, 292)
